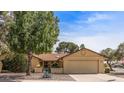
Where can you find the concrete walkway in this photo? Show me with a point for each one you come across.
(96, 78)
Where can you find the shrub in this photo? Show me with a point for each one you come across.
(55, 65)
(107, 70)
(106, 65)
(17, 64)
(33, 70)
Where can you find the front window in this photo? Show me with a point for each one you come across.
(55, 65)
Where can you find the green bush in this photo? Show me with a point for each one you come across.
(107, 70)
(32, 70)
(55, 65)
(17, 64)
(106, 65)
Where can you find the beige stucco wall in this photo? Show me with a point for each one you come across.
(101, 66)
(38, 70)
(83, 61)
(36, 64)
(57, 70)
(84, 55)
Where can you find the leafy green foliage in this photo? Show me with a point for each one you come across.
(3, 48)
(55, 65)
(82, 46)
(17, 64)
(5, 21)
(68, 47)
(34, 31)
(110, 53)
(107, 70)
(120, 51)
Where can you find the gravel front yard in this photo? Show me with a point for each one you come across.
(18, 77)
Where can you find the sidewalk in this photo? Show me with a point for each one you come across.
(96, 78)
(109, 78)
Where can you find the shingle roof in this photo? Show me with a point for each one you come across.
(55, 57)
(50, 57)
(88, 50)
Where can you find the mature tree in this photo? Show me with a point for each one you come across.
(82, 46)
(5, 22)
(110, 53)
(33, 32)
(120, 52)
(67, 47)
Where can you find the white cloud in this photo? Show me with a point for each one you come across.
(97, 16)
(97, 42)
(94, 18)
(96, 36)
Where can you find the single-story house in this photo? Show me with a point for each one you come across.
(81, 61)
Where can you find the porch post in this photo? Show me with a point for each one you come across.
(62, 66)
(43, 66)
(98, 66)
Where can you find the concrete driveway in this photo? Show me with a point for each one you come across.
(96, 78)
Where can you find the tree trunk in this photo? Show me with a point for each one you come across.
(110, 66)
(28, 72)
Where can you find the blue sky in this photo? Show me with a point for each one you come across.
(97, 30)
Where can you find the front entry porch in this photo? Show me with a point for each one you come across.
(55, 66)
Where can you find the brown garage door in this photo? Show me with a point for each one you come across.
(80, 67)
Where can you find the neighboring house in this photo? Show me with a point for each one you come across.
(82, 61)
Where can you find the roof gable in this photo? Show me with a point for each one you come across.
(79, 54)
(84, 53)
(49, 57)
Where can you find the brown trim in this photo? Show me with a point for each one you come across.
(48, 60)
(43, 60)
(83, 49)
(37, 57)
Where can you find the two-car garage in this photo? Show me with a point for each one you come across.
(83, 61)
(80, 67)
